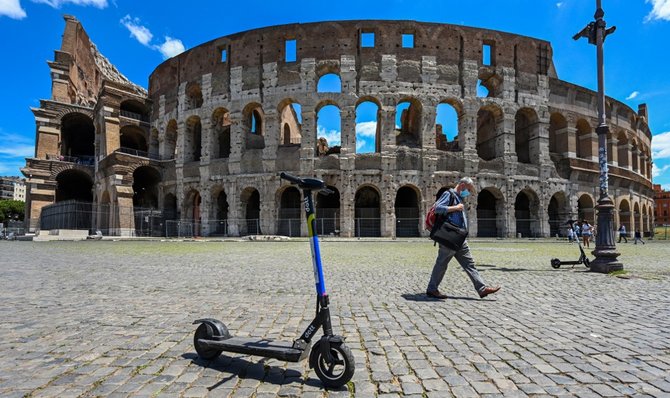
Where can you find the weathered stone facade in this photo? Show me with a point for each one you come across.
(217, 126)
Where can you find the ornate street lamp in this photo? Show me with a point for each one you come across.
(605, 251)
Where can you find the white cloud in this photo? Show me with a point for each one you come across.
(366, 129)
(633, 95)
(559, 4)
(15, 145)
(12, 9)
(139, 32)
(332, 136)
(660, 145)
(657, 171)
(170, 47)
(360, 143)
(660, 10)
(58, 3)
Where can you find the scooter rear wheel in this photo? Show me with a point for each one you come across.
(555, 263)
(205, 331)
(337, 373)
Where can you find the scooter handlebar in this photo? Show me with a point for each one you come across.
(291, 178)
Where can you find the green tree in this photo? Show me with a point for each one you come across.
(11, 210)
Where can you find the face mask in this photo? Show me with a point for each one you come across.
(465, 193)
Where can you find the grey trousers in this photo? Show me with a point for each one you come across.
(466, 261)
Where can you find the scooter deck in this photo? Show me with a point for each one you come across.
(281, 350)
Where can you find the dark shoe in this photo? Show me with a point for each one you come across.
(488, 290)
(435, 294)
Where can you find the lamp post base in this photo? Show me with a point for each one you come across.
(605, 251)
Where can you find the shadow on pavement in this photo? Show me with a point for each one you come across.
(423, 297)
(244, 369)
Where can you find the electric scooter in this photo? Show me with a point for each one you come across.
(556, 263)
(330, 358)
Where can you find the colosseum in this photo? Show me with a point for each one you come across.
(200, 152)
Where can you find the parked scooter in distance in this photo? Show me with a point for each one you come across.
(330, 358)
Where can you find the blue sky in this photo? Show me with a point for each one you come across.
(138, 35)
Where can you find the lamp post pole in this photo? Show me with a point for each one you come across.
(605, 251)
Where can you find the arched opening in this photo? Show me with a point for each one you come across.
(623, 151)
(584, 140)
(145, 201)
(625, 216)
(74, 185)
(221, 133)
(170, 214)
(446, 128)
(585, 209)
(329, 83)
(481, 90)
(558, 215)
(290, 204)
(407, 212)
(291, 124)
(192, 212)
(133, 109)
(328, 212)
(133, 141)
(251, 205)
(526, 214)
(254, 126)
(634, 155)
(525, 129)
(637, 218)
(490, 213)
(367, 213)
(408, 115)
(77, 136)
(104, 214)
(193, 96)
(170, 146)
(219, 226)
(558, 134)
(368, 127)
(328, 130)
(489, 122)
(193, 140)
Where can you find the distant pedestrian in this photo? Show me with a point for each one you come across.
(638, 236)
(622, 234)
(587, 232)
(571, 234)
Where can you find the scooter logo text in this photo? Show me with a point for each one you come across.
(309, 331)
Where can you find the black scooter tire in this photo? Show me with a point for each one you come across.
(333, 375)
(205, 331)
(587, 263)
(555, 263)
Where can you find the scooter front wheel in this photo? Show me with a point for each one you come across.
(555, 263)
(339, 370)
(205, 332)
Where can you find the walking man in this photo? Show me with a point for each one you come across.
(638, 236)
(622, 234)
(455, 213)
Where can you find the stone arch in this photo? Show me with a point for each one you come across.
(328, 116)
(490, 213)
(407, 212)
(367, 201)
(526, 213)
(584, 140)
(254, 126)
(194, 98)
(192, 210)
(558, 134)
(220, 133)
(634, 155)
(447, 125)
(626, 216)
(409, 118)
(288, 216)
(77, 136)
(250, 203)
(558, 212)
(218, 223)
(623, 150)
(526, 127)
(489, 126)
(328, 212)
(329, 83)
(170, 146)
(193, 140)
(146, 180)
(586, 208)
(290, 122)
(366, 128)
(170, 209)
(134, 109)
(133, 140)
(637, 218)
(74, 185)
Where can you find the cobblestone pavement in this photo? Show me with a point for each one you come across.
(84, 319)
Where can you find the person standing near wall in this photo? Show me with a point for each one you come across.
(622, 234)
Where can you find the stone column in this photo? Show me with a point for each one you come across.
(467, 136)
(236, 143)
(348, 148)
(612, 151)
(428, 146)
(347, 207)
(388, 146)
(271, 134)
(308, 143)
